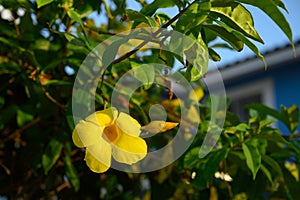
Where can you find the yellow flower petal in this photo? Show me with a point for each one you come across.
(76, 139)
(128, 125)
(129, 149)
(98, 156)
(86, 133)
(95, 165)
(104, 117)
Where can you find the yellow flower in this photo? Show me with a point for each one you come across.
(107, 134)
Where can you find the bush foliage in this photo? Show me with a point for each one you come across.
(43, 44)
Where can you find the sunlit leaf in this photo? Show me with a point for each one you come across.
(41, 3)
(138, 17)
(74, 16)
(236, 16)
(235, 42)
(146, 77)
(198, 57)
(151, 8)
(214, 55)
(274, 13)
(194, 16)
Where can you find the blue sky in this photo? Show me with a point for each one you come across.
(270, 33)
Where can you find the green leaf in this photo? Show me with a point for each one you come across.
(138, 18)
(253, 156)
(151, 8)
(194, 16)
(264, 110)
(51, 154)
(267, 173)
(74, 16)
(236, 16)
(162, 18)
(242, 127)
(207, 166)
(72, 173)
(41, 44)
(41, 3)
(271, 9)
(214, 55)
(180, 44)
(290, 117)
(242, 38)
(69, 36)
(280, 4)
(273, 164)
(198, 56)
(146, 77)
(23, 117)
(251, 46)
(191, 159)
(235, 42)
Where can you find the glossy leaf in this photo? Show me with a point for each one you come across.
(41, 3)
(151, 8)
(251, 46)
(51, 154)
(194, 16)
(236, 16)
(138, 17)
(214, 55)
(280, 4)
(235, 42)
(146, 77)
(274, 13)
(74, 16)
(198, 57)
(253, 156)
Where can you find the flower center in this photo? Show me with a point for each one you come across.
(110, 133)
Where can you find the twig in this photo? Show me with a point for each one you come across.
(53, 99)
(127, 55)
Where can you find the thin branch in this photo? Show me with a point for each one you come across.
(17, 132)
(127, 55)
(53, 99)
